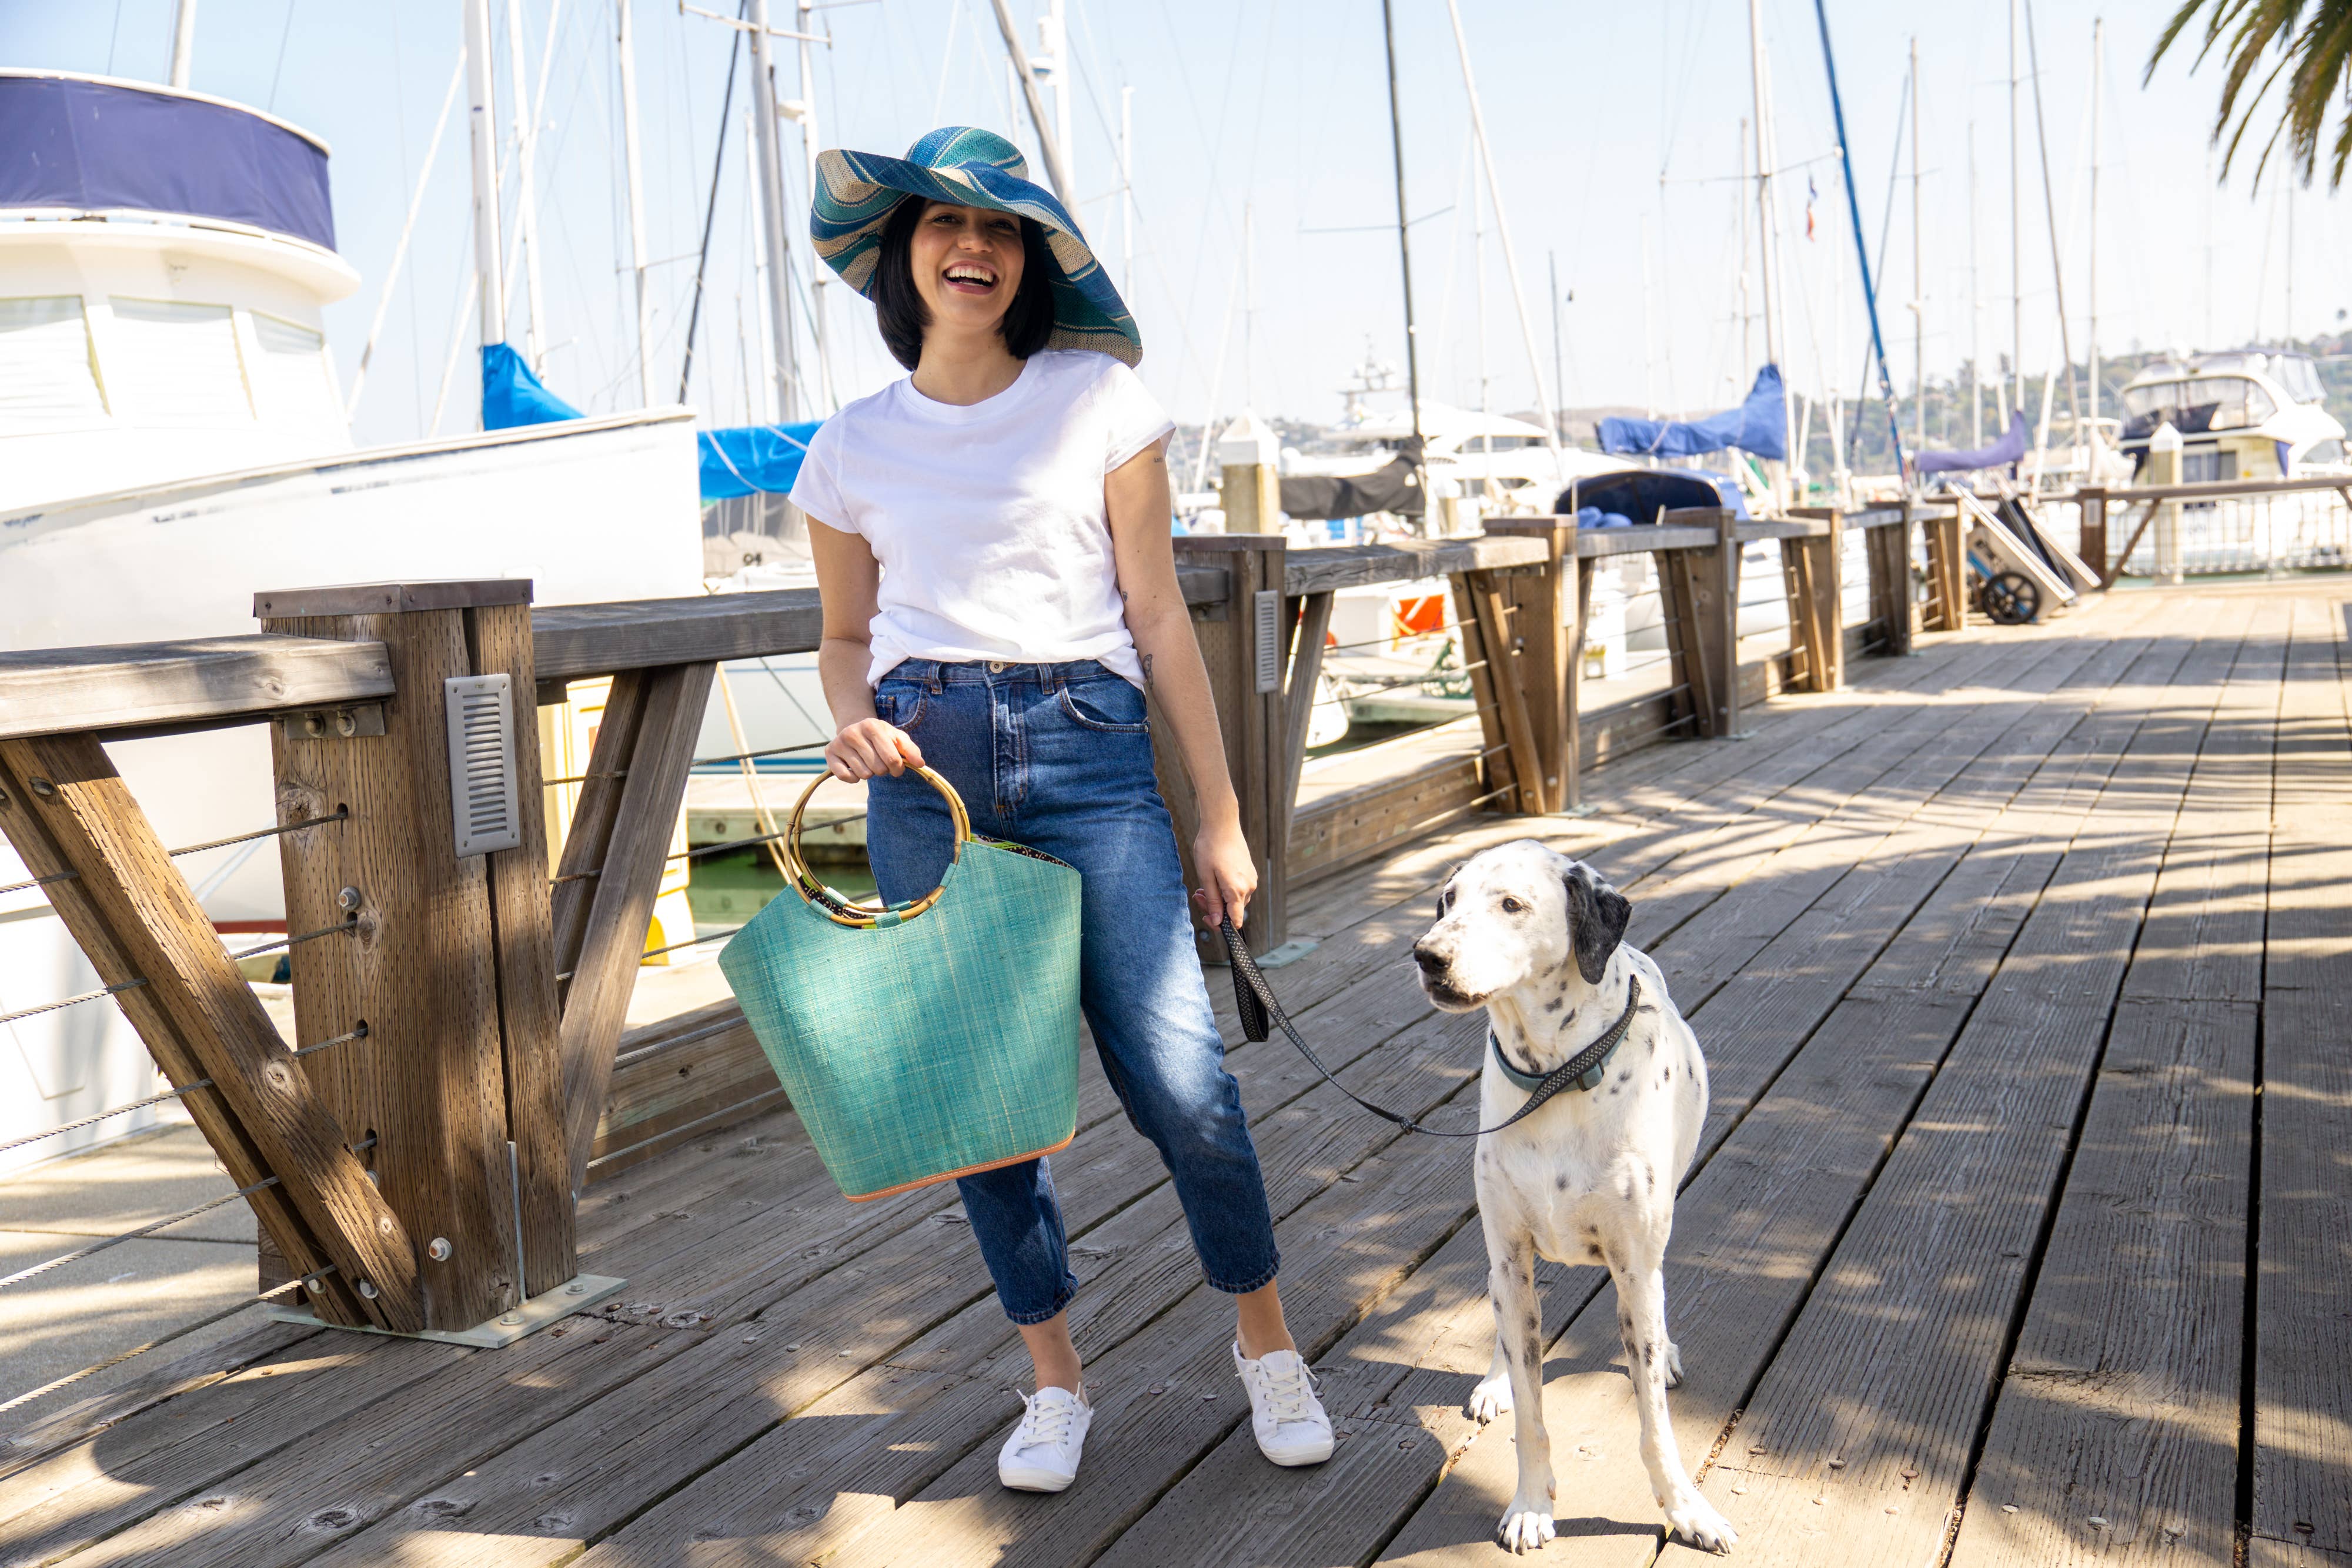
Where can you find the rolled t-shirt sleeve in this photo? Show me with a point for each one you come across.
(817, 490)
(1133, 417)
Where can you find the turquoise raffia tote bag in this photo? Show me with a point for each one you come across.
(929, 1040)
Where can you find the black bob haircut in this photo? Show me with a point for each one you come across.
(899, 311)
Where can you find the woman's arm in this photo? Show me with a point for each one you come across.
(1135, 493)
(847, 578)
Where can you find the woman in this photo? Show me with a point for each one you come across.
(999, 595)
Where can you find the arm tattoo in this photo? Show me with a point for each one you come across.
(1147, 672)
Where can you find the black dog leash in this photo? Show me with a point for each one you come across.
(1260, 1010)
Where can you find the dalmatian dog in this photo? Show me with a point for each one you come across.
(1536, 939)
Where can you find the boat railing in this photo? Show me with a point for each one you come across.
(461, 1065)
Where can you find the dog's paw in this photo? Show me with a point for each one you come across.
(1524, 1529)
(1673, 1365)
(1694, 1520)
(1490, 1399)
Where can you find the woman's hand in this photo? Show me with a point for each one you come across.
(870, 747)
(1222, 859)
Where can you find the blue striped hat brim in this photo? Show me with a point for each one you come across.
(857, 193)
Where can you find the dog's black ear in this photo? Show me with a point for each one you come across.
(1596, 924)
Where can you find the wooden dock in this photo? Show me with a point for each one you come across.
(2018, 1233)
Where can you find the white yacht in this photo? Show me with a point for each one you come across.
(172, 438)
(2249, 414)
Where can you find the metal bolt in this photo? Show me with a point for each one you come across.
(511, 1319)
(314, 724)
(367, 1290)
(439, 1250)
(577, 1287)
(347, 723)
(348, 899)
(43, 788)
(315, 1286)
(3, 798)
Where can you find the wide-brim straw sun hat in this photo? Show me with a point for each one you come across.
(857, 193)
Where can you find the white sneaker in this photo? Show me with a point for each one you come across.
(1041, 1455)
(1291, 1427)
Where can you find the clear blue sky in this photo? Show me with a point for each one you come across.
(1280, 106)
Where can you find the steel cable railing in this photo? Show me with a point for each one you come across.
(342, 814)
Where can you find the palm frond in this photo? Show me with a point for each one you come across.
(2312, 40)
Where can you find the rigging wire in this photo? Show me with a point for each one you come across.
(710, 209)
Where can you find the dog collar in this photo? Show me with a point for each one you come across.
(1586, 1069)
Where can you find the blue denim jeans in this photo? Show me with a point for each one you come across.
(1059, 756)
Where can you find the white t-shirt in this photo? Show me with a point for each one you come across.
(988, 518)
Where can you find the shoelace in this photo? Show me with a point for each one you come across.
(1046, 1424)
(1287, 1399)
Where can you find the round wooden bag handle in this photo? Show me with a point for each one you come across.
(839, 907)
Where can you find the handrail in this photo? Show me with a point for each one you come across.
(2212, 489)
(144, 686)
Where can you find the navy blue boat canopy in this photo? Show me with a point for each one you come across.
(1759, 425)
(69, 141)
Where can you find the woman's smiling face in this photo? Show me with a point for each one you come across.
(967, 264)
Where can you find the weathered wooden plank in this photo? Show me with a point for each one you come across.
(679, 1080)
(1874, 1402)
(64, 808)
(2302, 1345)
(578, 640)
(2120, 1401)
(1318, 570)
(599, 980)
(1594, 544)
(1504, 646)
(126, 686)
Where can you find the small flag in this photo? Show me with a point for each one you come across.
(1810, 195)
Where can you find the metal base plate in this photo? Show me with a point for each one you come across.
(1288, 953)
(574, 1295)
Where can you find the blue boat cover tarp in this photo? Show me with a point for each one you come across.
(2001, 453)
(92, 145)
(1638, 494)
(1759, 425)
(753, 459)
(511, 395)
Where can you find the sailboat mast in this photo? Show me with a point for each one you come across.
(1739, 204)
(1861, 252)
(2057, 269)
(526, 214)
(2016, 377)
(634, 168)
(771, 210)
(1049, 145)
(481, 119)
(1404, 261)
(2099, 26)
(1975, 306)
(817, 270)
(1502, 227)
(184, 42)
(764, 408)
(1918, 274)
(1127, 194)
(1766, 259)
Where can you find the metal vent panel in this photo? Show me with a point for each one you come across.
(484, 803)
(1267, 605)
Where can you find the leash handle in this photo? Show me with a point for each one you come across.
(1258, 1006)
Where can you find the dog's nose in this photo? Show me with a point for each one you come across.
(1431, 962)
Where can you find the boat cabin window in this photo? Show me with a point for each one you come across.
(2299, 374)
(291, 384)
(2193, 407)
(49, 379)
(2330, 451)
(168, 362)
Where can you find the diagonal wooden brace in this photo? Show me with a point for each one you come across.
(621, 830)
(65, 808)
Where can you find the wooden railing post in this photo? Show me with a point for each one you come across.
(1700, 591)
(1814, 571)
(1546, 632)
(1887, 552)
(1244, 655)
(453, 963)
(1946, 570)
(2094, 541)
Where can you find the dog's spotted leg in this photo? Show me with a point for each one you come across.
(1492, 1397)
(1642, 1319)
(1518, 1330)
